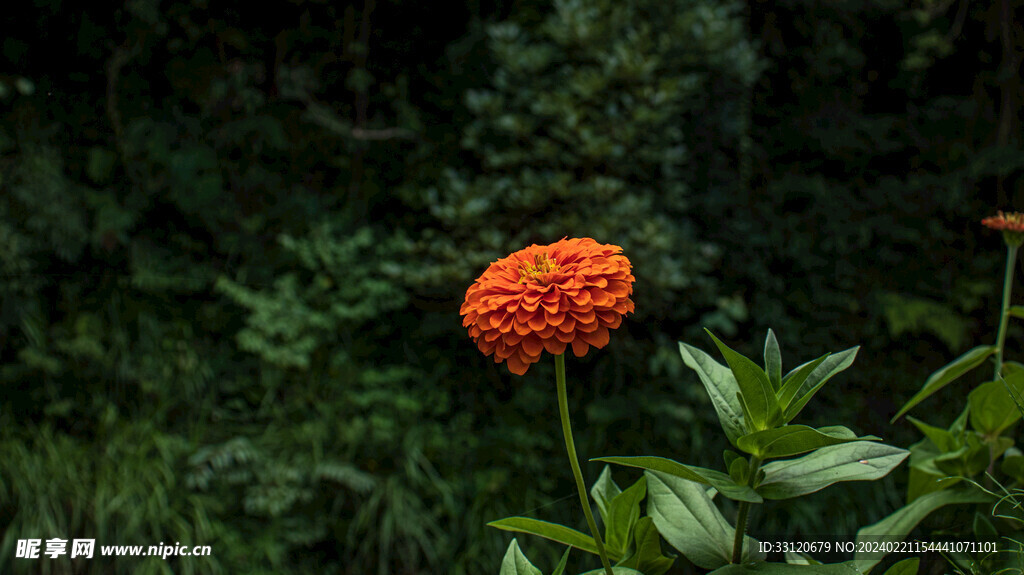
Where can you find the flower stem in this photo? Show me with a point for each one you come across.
(742, 512)
(1004, 318)
(570, 446)
(741, 529)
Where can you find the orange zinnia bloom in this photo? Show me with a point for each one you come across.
(547, 297)
(1013, 222)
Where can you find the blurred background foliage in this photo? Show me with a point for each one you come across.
(233, 244)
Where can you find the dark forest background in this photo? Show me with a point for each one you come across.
(234, 238)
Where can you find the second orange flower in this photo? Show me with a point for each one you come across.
(569, 293)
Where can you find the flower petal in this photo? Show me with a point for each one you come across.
(496, 318)
(597, 339)
(532, 345)
(568, 325)
(547, 332)
(582, 298)
(516, 365)
(520, 328)
(615, 322)
(504, 351)
(579, 347)
(618, 289)
(565, 337)
(506, 324)
(601, 297)
(554, 346)
(487, 347)
(554, 318)
(523, 315)
(484, 320)
(584, 316)
(537, 322)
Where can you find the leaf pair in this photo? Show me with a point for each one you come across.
(749, 399)
(627, 535)
(795, 439)
(853, 461)
(630, 540)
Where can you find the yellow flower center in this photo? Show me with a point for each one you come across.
(541, 266)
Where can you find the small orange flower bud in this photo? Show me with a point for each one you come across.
(1012, 226)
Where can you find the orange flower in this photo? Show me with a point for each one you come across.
(547, 297)
(1013, 222)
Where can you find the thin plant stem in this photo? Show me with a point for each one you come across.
(570, 446)
(1004, 317)
(1004, 320)
(741, 529)
(742, 512)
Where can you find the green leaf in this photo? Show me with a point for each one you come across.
(925, 477)
(721, 387)
(921, 482)
(992, 407)
(947, 374)
(973, 457)
(788, 569)
(748, 422)
(983, 528)
(758, 394)
(720, 481)
(773, 360)
(855, 461)
(603, 492)
(624, 513)
(688, 519)
(515, 563)
(1018, 399)
(829, 367)
(615, 570)
(1013, 465)
(1016, 311)
(906, 567)
(833, 364)
(1011, 367)
(895, 527)
(560, 568)
(795, 439)
(942, 439)
(730, 456)
(739, 470)
(647, 556)
(795, 380)
(553, 531)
